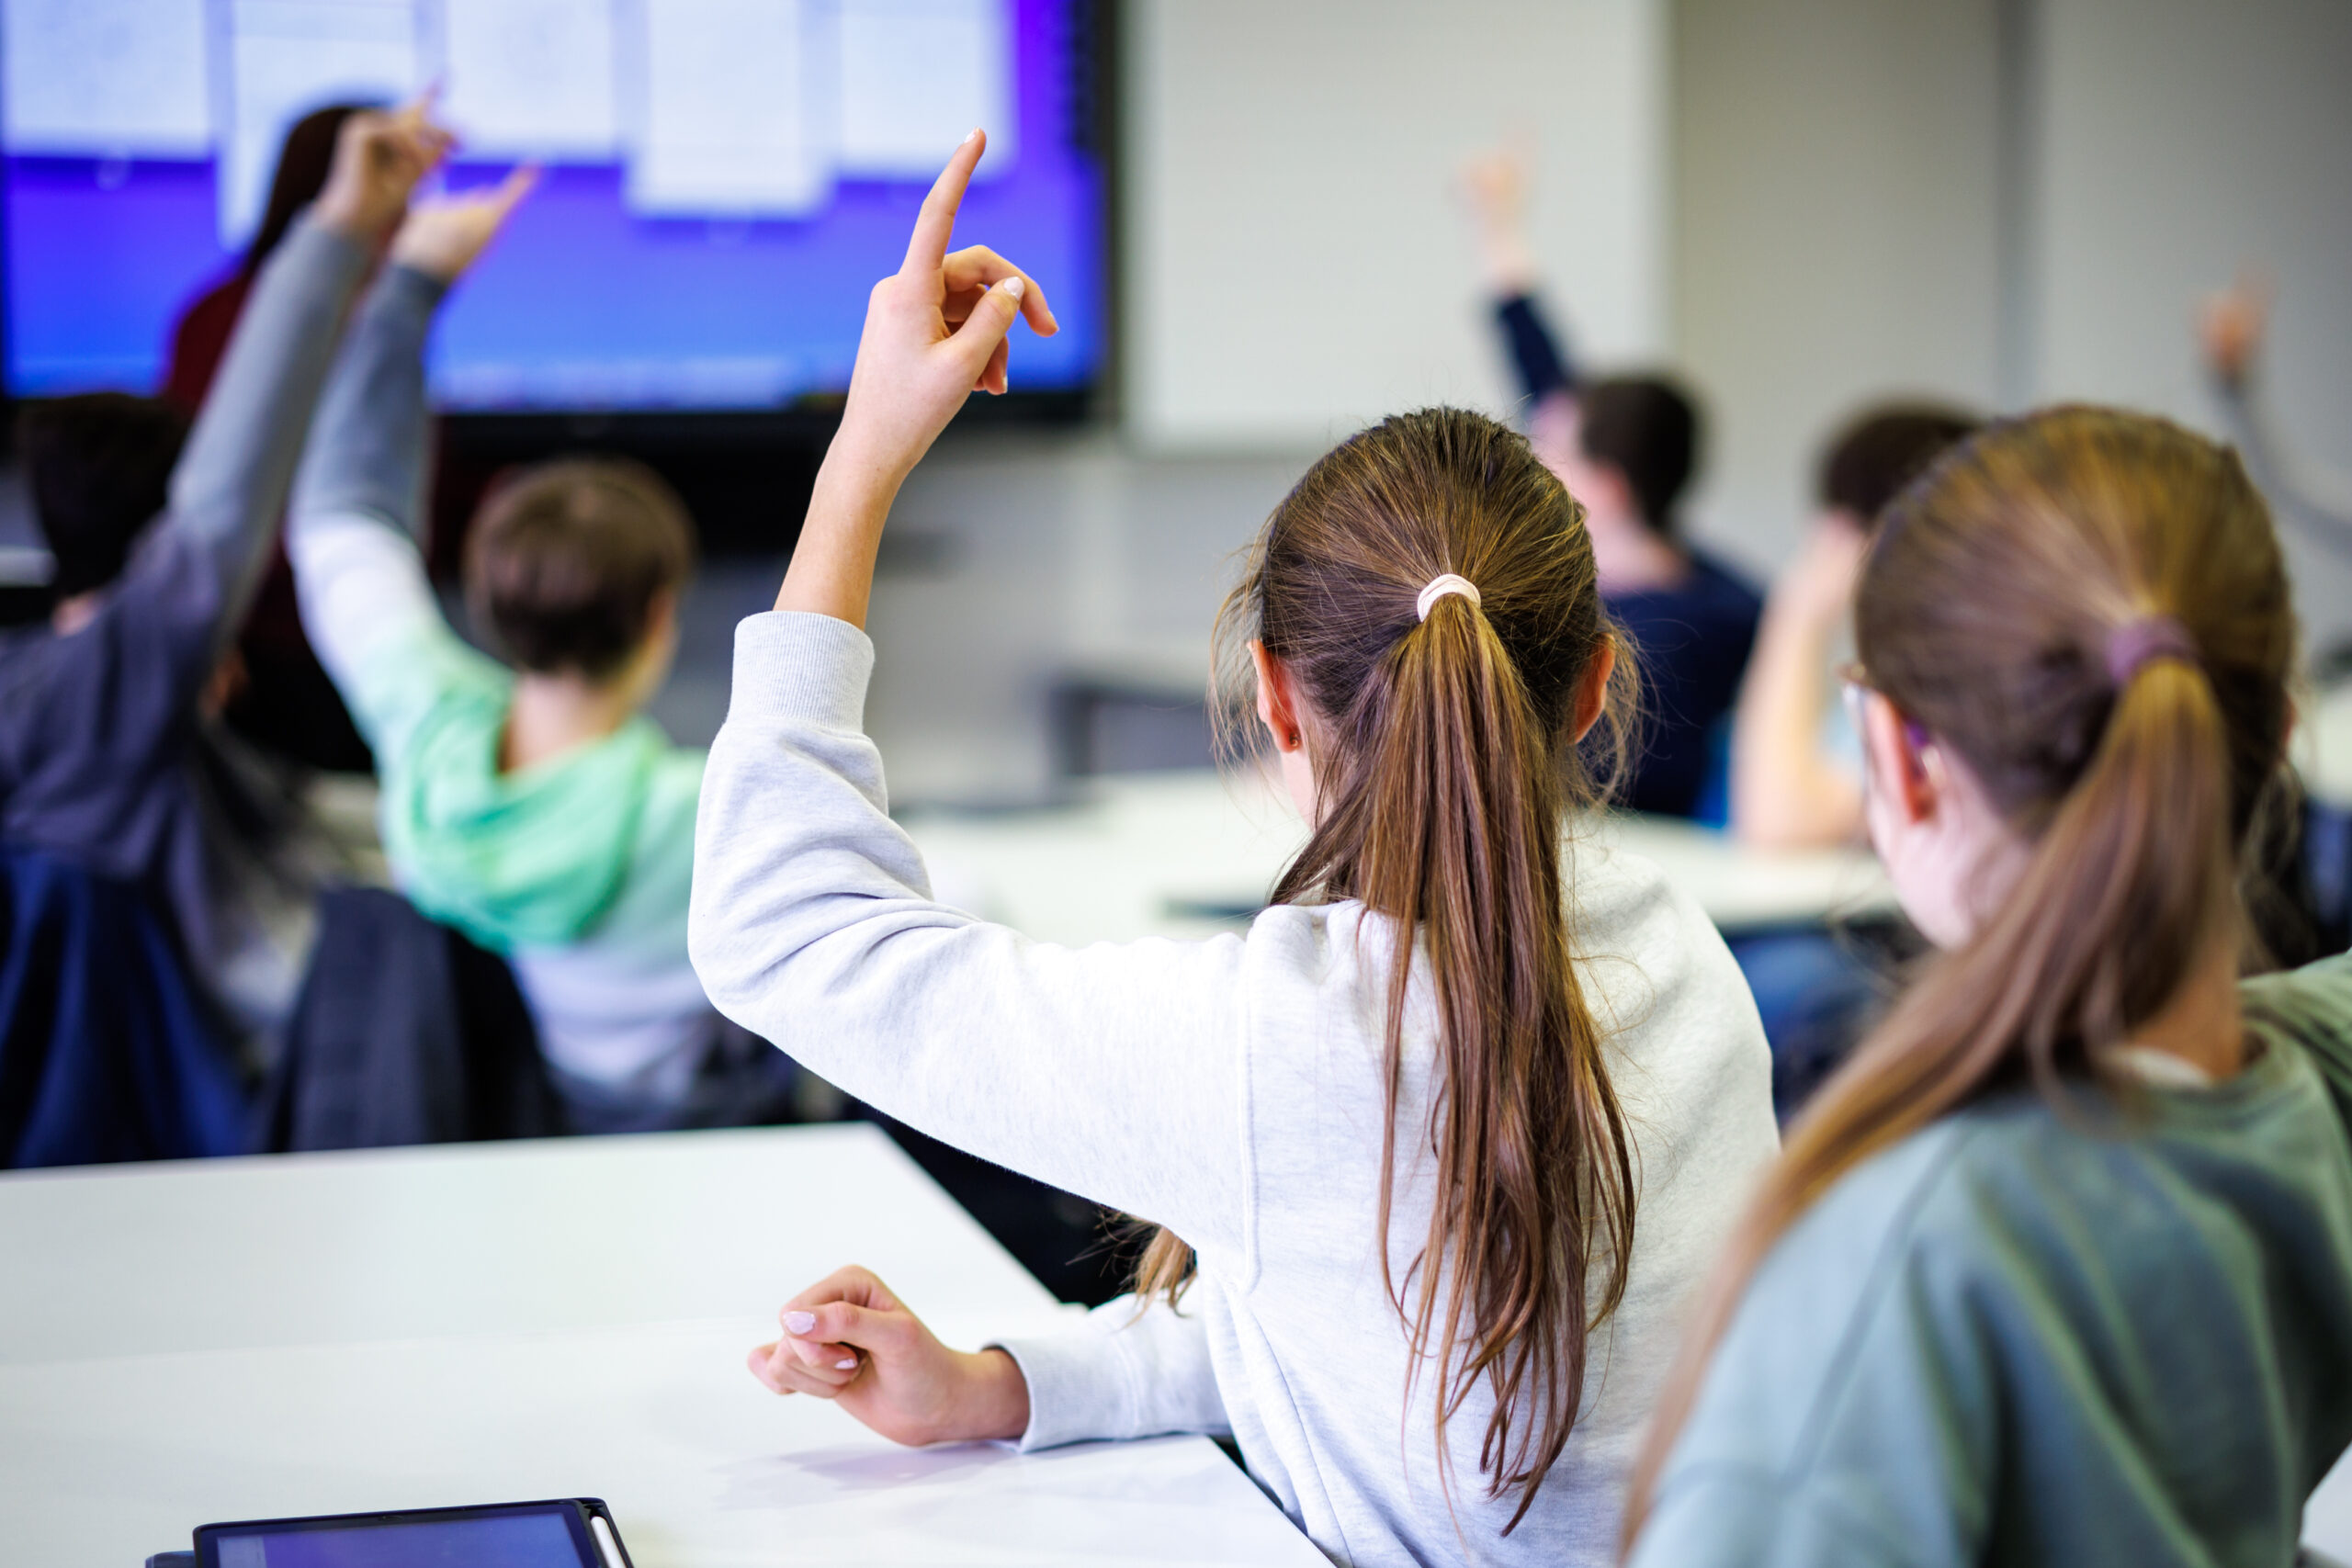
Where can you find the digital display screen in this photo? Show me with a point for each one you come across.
(542, 1536)
(725, 179)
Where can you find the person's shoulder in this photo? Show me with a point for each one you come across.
(1658, 975)
(2309, 1010)
(1724, 585)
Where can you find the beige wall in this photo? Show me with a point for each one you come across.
(2181, 139)
(1836, 231)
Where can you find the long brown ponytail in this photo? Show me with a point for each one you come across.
(1444, 758)
(1987, 615)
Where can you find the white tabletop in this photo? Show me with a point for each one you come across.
(1187, 853)
(410, 1328)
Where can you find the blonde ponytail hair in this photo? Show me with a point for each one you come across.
(2089, 608)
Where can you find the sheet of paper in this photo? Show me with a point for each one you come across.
(914, 75)
(289, 57)
(531, 78)
(721, 110)
(105, 78)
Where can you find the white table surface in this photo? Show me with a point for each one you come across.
(1167, 854)
(331, 1333)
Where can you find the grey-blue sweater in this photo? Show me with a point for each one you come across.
(105, 755)
(2013, 1339)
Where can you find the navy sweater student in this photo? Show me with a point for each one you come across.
(1625, 446)
(112, 755)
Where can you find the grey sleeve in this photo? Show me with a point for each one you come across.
(1125, 1371)
(2321, 504)
(367, 450)
(230, 485)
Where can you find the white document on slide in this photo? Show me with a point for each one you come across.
(531, 78)
(289, 57)
(914, 76)
(105, 78)
(722, 111)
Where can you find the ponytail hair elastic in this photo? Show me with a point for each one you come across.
(2135, 643)
(1441, 585)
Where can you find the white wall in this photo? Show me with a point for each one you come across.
(1837, 233)
(1296, 263)
(2180, 140)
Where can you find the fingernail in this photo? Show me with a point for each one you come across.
(1015, 288)
(845, 1366)
(799, 1321)
(969, 135)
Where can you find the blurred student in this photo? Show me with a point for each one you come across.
(1796, 763)
(1627, 446)
(2058, 1269)
(2231, 331)
(1432, 1182)
(1795, 766)
(284, 701)
(110, 749)
(535, 809)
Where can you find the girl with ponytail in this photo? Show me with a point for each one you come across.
(2058, 1268)
(1439, 1145)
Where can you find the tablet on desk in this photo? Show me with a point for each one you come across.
(572, 1532)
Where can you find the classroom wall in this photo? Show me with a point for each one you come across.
(1838, 229)
(2180, 140)
(1297, 261)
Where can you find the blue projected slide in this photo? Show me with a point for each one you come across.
(725, 178)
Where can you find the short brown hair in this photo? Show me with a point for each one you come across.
(1647, 428)
(1881, 450)
(566, 559)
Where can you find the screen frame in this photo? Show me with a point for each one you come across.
(811, 418)
(575, 1511)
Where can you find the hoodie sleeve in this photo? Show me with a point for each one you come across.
(368, 606)
(1113, 1071)
(1127, 1370)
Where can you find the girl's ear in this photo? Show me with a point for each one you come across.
(1897, 752)
(1592, 687)
(1277, 699)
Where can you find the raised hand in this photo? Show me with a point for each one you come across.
(1494, 187)
(378, 159)
(934, 335)
(2230, 327)
(846, 1339)
(935, 329)
(444, 236)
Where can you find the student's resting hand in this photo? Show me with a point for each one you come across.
(379, 158)
(848, 1339)
(443, 237)
(934, 331)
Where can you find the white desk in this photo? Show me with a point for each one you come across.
(1183, 854)
(321, 1333)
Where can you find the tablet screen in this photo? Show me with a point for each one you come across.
(538, 1536)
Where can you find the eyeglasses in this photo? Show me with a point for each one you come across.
(1854, 686)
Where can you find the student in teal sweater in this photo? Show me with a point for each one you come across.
(535, 807)
(2058, 1269)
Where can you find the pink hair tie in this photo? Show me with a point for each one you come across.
(2135, 643)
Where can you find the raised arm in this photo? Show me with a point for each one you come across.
(230, 485)
(2231, 331)
(1494, 186)
(366, 603)
(813, 923)
(1786, 790)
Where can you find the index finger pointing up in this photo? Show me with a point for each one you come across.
(935, 224)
